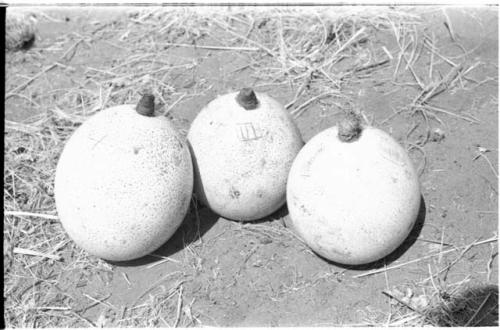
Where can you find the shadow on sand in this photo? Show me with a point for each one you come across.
(197, 222)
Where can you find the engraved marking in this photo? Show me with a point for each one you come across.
(306, 168)
(98, 141)
(248, 132)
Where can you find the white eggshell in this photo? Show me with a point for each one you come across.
(123, 183)
(353, 202)
(242, 157)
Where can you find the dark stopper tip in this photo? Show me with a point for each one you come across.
(146, 105)
(349, 128)
(247, 99)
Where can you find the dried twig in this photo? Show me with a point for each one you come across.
(433, 50)
(353, 38)
(51, 252)
(390, 295)
(163, 278)
(83, 319)
(306, 82)
(424, 154)
(29, 214)
(448, 25)
(35, 253)
(431, 65)
(436, 109)
(73, 47)
(489, 240)
(489, 265)
(162, 261)
(126, 278)
(174, 104)
(15, 90)
(179, 308)
(434, 242)
(372, 66)
(101, 301)
(460, 256)
(481, 153)
(478, 310)
(301, 109)
(53, 308)
(437, 88)
(259, 45)
(212, 47)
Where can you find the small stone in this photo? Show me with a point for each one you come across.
(482, 149)
(265, 240)
(437, 135)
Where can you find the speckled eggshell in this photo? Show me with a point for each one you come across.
(123, 183)
(242, 157)
(353, 202)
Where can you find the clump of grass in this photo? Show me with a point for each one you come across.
(473, 306)
(452, 305)
(435, 301)
(20, 30)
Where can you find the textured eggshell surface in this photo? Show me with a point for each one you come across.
(355, 202)
(123, 183)
(242, 157)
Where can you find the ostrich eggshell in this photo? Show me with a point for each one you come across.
(353, 202)
(123, 183)
(242, 157)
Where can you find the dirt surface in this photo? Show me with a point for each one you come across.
(216, 272)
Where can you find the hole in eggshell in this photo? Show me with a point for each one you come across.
(234, 193)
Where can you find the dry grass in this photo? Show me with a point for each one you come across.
(435, 301)
(286, 47)
(444, 305)
(20, 31)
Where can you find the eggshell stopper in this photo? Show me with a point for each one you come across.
(247, 99)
